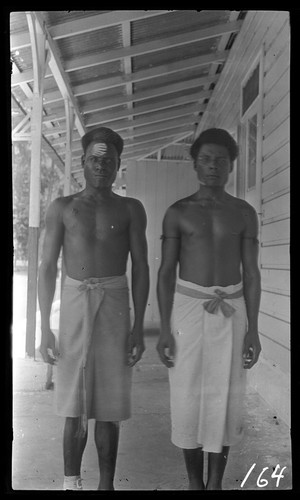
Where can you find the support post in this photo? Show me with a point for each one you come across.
(70, 119)
(39, 57)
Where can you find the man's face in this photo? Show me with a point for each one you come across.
(101, 163)
(213, 165)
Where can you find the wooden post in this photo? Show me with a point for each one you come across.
(70, 118)
(39, 58)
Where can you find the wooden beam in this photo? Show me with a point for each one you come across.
(148, 119)
(162, 126)
(26, 77)
(169, 143)
(97, 119)
(158, 71)
(157, 45)
(39, 60)
(100, 104)
(96, 22)
(85, 25)
(126, 35)
(157, 136)
(68, 155)
(213, 69)
(59, 75)
(163, 105)
(147, 138)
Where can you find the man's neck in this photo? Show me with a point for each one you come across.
(98, 194)
(216, 193)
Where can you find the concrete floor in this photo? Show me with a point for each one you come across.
(147, 460)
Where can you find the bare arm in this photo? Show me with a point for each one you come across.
(166, 283)
(47, 276)
(140, 277)
(252, 287)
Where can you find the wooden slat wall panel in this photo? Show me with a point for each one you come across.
(276, 207)
(278, 255)
(276, 231)
(276, 137)
(277, 279)
(275, 304)
(276, 159)
(279, 89)
(277, 354)
(279, 335)
(280, 181)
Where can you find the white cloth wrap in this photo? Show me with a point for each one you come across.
(207, 383)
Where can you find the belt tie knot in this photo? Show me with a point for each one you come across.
(212, 306)
(89, 285)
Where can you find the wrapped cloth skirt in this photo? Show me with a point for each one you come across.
(207, 382)
(93, 378)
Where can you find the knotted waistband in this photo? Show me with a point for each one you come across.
(113, 282)
(216, 297)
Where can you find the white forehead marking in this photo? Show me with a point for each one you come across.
(99, 149)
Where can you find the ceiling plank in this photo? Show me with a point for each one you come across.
(134, 134)
(169, 143)
(158, 71)
(91, 23)
(149, 138)
(101, 104)
(221, 47)
(99, 118)
(96, 22)
(118, 126)
(159, 44)
(116, 81)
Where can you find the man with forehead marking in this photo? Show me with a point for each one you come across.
(99, 149)
(97, 230)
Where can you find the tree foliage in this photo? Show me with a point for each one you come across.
(51, 188)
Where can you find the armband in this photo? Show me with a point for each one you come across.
(163, 237)
(255, 240)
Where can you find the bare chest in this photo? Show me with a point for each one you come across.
(212, 222)
(99, 223)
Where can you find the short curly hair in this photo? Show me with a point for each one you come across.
(215, 136)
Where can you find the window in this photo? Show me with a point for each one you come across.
(252, 151)
(251, 121)
(250, 90)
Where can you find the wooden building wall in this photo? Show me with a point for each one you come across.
(157, 185)
(266, 33)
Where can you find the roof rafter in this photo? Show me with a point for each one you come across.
(88, 24)
(145, 48)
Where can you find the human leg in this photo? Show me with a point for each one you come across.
(73, 446)
(216, 467)
(107, 440)
(194, 466)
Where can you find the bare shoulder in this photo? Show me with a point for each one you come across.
(178, 207)
(134, 206)
(132, 203)
(241, 205)
(58, 207)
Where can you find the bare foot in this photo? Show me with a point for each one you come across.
(196, 485)
(214, 487)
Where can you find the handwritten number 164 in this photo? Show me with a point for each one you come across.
(261, 483)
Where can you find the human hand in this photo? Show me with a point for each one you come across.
(136, 347)
(251, 349)
(166, 341)
(48, 348)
